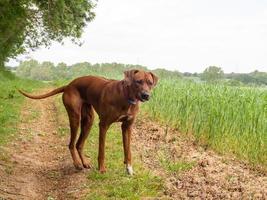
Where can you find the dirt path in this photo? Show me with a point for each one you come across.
(206, 176)
(37, 164)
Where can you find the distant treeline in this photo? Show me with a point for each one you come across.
(48, 71)
(252, 78)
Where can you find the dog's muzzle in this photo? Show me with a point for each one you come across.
(145, 96)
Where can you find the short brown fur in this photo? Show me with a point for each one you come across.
(113, 101)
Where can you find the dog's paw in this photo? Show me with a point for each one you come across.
(129, 170)
(78, 165)
(87, 165)
(102, 171)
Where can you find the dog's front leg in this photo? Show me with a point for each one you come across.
(103, 127)
(126, 128)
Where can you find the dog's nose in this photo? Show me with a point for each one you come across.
(145, 96)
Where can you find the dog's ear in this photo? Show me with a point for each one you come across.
(128, 75)
(155, 79)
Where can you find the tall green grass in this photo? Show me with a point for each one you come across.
(11, 102)
(228, 119)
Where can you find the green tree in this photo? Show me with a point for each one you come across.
(212, 74)
(43, 71)
(164, 73)
(233, 82)
(27, 24)
(61, 71)
(259, 77)
(25, 68)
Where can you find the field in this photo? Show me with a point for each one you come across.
(228, 119)
(190, 140)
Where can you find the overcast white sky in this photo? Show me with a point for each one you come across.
(183, 35)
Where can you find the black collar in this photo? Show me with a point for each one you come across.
(130, 101)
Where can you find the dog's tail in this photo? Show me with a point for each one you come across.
(42, 96)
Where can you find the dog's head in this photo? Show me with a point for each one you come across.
(141, 83)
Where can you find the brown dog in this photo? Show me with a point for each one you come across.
(113, 100)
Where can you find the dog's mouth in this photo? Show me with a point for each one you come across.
(143, 100)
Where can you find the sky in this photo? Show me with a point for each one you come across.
(183, 35)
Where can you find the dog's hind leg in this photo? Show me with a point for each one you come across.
(73, 106)
(87, 118)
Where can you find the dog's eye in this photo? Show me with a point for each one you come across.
(149, 83)
(139, 82)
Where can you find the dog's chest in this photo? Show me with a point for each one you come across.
(122, 118)
(125, 115)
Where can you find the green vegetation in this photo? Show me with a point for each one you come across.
(212, 74)
(255, 78)
(228, 119)
(48, 71)
(11, 101)
(29, 24)
(116, 183)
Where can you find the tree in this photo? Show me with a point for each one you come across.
(61, 71)
(212, 74)
(164, 73)
(28, 24)
(44, 71)
(253, 78)
(25, 68)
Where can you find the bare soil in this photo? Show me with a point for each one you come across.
(37, 163)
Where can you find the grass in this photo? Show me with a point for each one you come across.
(228, 119)
(11, 102)
(115, 183)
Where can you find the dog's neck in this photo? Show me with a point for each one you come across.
(126, 93)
